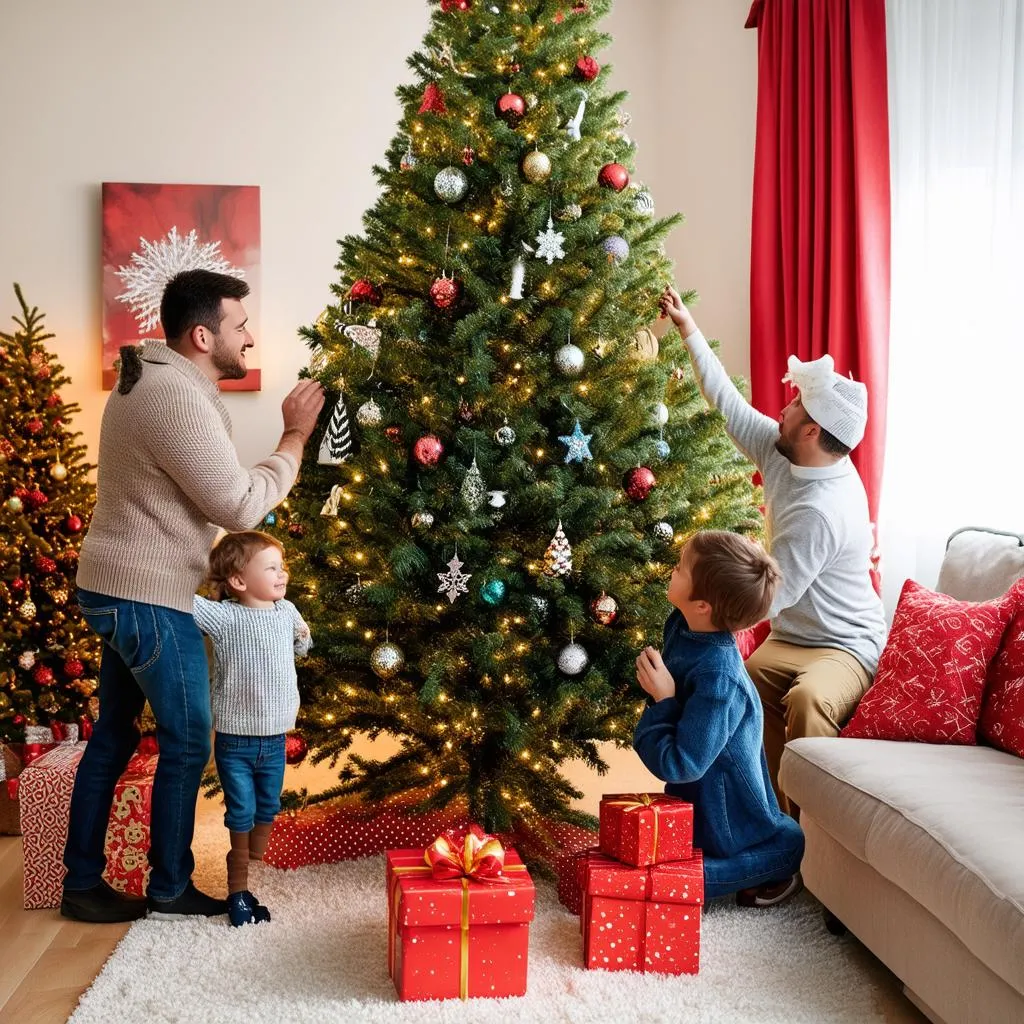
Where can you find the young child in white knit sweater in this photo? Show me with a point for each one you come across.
(256, 636)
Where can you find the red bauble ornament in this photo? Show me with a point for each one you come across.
(427, 450)
(73, 668)
(6, 448)
(393, 433)
(455, 5)
(45, 565)
(468, 156)
(36, 498)
(613, 176)
(19, 719)
(587, 68)
(365, 291)
(433, 100)
(510, 108)
(53, 401)
(604, 609)
(43, 675)
(296, 530)
(18, 585)
(33, 426)
(639, 482)
(445, 292)
(73, 524)
(295, 748)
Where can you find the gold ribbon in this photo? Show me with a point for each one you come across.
(639, 802)
(423, 869)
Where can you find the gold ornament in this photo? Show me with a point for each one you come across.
(645, 346)
(59, 472)
(27, 610)
(60, 595)
(537, 167)
(387, 660)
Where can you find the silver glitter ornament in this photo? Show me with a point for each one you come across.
(451, 184)
(616, 247)
(643, 203)
(573, 659)
(422, 520)
(550, 244)
(571, 212)
(473, 489)
(356, 594)
(663, 532)
(569, 359)
(660, 414)
(369, 414)
(662, 449)
(558, 557)
(387, 660)
(505, 435)
(541, 606)
(453, 582)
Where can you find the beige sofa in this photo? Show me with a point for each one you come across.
(918, 849)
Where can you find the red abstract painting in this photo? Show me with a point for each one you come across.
(151, 233)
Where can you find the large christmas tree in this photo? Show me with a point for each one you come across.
(508, 465)
(49, 659)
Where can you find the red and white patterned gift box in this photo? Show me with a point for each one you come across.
(643, 919)
(646, 828)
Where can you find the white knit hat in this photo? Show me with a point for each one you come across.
(837, 404)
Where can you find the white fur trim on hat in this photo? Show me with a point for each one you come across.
(837, 404)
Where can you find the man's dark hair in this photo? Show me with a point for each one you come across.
(193, 299)
(831, 444)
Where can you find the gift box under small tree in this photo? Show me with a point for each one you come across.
(643, 919)
(646, 828)
(45, 796)
(15, 757)
(458, 920)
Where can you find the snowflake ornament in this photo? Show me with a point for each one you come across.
(149, 271)
(549, 244)
(577, 445)
(454, 581)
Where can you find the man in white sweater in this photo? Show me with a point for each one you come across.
(168, 478)
(828, 626)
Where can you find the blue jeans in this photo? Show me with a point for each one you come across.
(251, 770)
(156, 654)
(772, 860)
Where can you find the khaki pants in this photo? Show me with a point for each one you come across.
(805, 691)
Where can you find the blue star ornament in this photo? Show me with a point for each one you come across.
(577, 445)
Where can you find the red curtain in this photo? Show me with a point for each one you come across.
(819, 279)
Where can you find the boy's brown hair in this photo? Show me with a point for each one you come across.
(231, 555)
(736, 576)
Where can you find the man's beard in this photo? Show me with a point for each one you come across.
(230, 365)
(783, 448)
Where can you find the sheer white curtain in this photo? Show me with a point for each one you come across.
(955, 446)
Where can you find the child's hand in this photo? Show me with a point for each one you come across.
(672, 306)
(652, 675)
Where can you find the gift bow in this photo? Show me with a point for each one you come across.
(639, 802)
(481, 857)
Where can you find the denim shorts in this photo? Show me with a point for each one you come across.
(251, 770)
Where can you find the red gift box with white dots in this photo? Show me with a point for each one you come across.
(646, 828)
(457, 938)
(643, 919)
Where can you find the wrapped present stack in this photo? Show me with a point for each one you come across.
(642, 890)
(459, 917)
(45, 796)
(15, 757)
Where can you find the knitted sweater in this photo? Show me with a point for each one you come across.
(255, 690)
(168, 478)
(819, 530)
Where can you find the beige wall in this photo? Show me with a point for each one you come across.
(299, 99)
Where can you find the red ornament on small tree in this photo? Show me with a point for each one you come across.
(45, 565)
(587, 69)
(455, 5)
(365, 291)
(638, 483)
(433, 100)
(73, 523)
(43, 675)
(427, 450)
(33, 426)
(613, 176)
(73, 668)
(445, 292)
(511, 108)
(295, 748)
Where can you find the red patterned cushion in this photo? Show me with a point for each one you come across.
(1002, 714)
(931, 675)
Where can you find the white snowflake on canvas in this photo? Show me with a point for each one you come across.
(149, 271)
(454, 581)
(550, 243)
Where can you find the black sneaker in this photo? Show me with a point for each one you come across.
(260, 914)
(102, 904)
(191, 903)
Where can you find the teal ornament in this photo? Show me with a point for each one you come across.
(493, 592)
(577, 445)
(271, 518)
(662, 449)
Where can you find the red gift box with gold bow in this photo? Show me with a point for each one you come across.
(646, 828)
(458, 919)
(643, 919)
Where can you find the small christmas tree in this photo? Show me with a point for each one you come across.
(512, 421)
(49, 656)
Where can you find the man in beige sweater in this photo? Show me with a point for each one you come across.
(168, 478)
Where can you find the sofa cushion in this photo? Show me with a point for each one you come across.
(931, 675)
(944, 823)
(1002, 712)
(981, 564)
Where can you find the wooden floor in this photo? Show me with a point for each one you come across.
(46, 962)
